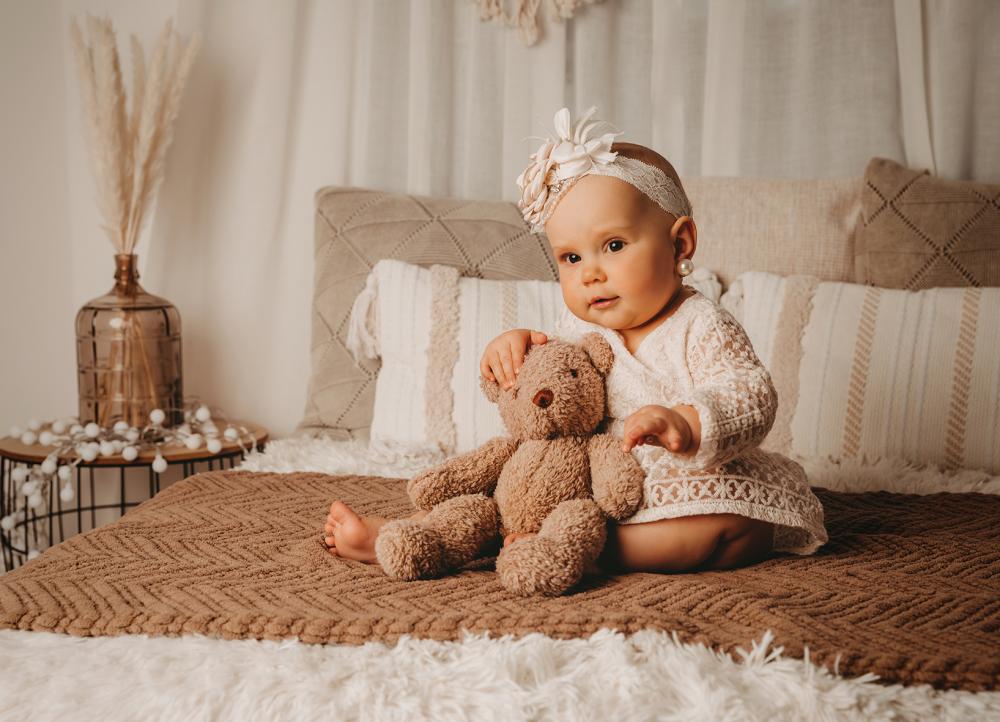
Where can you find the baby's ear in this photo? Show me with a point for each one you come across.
(599, 350)
(490, 389)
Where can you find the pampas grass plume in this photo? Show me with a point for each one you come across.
(128, 148)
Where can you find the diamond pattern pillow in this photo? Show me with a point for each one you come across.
(919, 231)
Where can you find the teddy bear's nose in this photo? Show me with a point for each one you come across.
(543, 398)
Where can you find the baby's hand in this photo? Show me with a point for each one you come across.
(504, 355)
(659, 426)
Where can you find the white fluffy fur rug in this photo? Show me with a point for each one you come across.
(648, 675)
(644, 676)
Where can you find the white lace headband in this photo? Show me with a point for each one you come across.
(582, 149)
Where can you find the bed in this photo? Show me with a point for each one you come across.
(215, 599)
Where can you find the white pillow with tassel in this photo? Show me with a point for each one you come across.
(430, 327)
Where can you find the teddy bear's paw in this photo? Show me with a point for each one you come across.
(579, 523)
(407, 550)
(538, 566)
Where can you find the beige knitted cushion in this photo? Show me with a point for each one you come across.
(919, 231)
(780, 226)
(771, 225)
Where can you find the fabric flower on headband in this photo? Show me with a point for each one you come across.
(574, 151)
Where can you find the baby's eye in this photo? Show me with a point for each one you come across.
(621, 244)
(569, 256)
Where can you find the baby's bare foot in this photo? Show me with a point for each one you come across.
(349, 535)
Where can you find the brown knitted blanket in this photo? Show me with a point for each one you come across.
(908, 586)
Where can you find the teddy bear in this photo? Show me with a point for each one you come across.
(554, 475)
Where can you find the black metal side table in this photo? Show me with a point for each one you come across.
(36, 529)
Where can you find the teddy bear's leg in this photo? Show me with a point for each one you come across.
(571, 537)
(454, 532)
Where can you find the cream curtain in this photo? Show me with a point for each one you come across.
(426, 98)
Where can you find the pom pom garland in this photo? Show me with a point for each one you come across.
(32, 484)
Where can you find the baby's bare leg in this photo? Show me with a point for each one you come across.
(351, 536)
(706, 541)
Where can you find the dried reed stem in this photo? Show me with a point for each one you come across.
(150, 386)
(129, 148)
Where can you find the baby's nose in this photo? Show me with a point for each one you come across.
(543, 398)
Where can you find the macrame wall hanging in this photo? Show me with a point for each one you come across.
(525, 16)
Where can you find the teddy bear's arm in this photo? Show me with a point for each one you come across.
(475, 472)
(615, 476)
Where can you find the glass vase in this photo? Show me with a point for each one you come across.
(128, 351)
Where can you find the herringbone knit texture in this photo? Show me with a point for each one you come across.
(908, 586)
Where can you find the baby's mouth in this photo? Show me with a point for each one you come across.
(604, 302)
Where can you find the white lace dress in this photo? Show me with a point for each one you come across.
(701, 356)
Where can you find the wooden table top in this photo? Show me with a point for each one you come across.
(13, 448)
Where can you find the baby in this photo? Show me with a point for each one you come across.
(687, 394)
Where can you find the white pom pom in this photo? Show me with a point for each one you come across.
(15, 432)
(129, 453)
(75, 429)
(35, 500)
(59, 427)
(49, 466)
(29, 438)
(66, 493)
(193, 441)
(159, 464)
(46, 438)
(116, 323)
(231, 433)
(157, 416)
(29, 488)
(214, 446)
(64, 473)
(33, 553)
(34, 424)
(107, 448)
(19, 474)
(131, 435)
(86, 453)
(209, 427)
(121, 427)
(7, 523)
(92, 430)
(203, 414)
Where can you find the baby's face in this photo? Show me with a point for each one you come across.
(612, 242)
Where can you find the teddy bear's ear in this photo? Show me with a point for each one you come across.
(491, 389)
(599, 350)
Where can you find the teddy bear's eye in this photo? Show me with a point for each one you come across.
(573, 372)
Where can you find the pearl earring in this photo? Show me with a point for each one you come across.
(685, 266)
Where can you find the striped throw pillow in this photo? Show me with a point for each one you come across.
(867, 373)
(430, 326)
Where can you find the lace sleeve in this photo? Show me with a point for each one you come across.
(733, 392)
